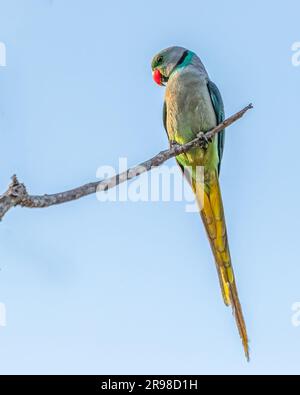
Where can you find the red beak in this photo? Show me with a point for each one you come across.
(157, 77)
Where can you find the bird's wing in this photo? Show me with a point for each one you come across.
(165, 116)
(165, 126)
(218, 105)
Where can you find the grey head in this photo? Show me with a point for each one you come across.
(173, 58)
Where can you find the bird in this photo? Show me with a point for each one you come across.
(193, 105)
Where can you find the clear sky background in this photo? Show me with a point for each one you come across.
(127, 287)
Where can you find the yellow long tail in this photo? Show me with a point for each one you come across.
(211, 208)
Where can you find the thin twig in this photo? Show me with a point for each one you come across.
(16, 195)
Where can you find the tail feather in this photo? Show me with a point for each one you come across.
(211, 208)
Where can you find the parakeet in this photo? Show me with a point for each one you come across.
(193, 104)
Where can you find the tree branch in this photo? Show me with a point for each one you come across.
(17, 195)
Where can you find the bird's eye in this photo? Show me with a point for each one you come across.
(159, 60)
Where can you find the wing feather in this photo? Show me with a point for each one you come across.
(218, 105)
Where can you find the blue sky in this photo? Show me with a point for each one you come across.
(124, 287)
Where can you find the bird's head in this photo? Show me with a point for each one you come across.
(167, 61)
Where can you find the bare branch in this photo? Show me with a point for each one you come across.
(16, 195)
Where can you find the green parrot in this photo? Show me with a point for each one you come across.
(193, 104)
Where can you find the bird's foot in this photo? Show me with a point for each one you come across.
(204, 140)
(173, 143)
